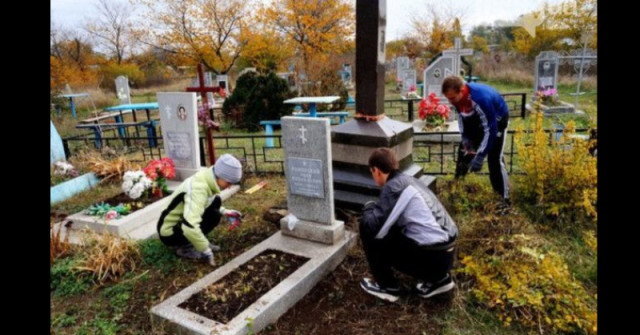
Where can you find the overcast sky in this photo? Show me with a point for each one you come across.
(72, 13)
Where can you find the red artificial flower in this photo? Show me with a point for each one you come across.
(160, 168)
(432, 111)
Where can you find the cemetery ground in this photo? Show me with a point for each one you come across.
(337, 305)
(525, 246)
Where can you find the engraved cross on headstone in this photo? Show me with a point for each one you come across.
(456, 53)
(302, 130)
(167, 110)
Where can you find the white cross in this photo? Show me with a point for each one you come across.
(302, 130)
(167, 110)
(455, 54)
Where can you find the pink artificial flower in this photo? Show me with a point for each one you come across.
(111, 215)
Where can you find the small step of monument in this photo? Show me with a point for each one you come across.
(355, 201)
(430, 181)
(352, 200)
(323, 259)
(566, 108)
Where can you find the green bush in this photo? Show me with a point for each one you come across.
(262, 96)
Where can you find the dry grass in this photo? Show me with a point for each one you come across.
(108, 257)
(58, 247)
(178, 85)
(109, 170)
(98, 98)
(521, 72)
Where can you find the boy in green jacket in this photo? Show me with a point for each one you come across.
(196, 208)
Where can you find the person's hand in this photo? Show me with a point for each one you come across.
(233, 217)
(214, 247)
(461, 169)
(232, 213)
(476, 164)
(207, 256)
(466, 145)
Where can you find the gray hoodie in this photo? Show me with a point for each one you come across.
(419, 214)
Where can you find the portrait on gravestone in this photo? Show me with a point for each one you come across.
(182, 113)
(546, 72)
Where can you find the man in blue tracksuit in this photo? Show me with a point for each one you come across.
(483, 118)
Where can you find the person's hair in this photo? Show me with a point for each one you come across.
(454, 83)
(384, 159)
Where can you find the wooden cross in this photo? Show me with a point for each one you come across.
(202, 89)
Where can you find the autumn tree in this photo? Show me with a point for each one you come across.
(265, 49)
(409, 46)
(200, 31)
(111, 28)
(577, 19)
(315, 28)
(394, 49)
(570, 19)
(71, 59)
(499, 33)
(438, 26)
(154, 63)
(479, 43)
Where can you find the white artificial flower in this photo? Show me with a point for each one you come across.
(137, 189)
(146, 182)
(135, 193)
(126, 185)
(135, 183)
(139, 174)
(128, 176)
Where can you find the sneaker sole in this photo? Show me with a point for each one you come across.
(439, 290)
(383, 296)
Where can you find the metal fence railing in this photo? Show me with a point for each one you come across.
(436, 152)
